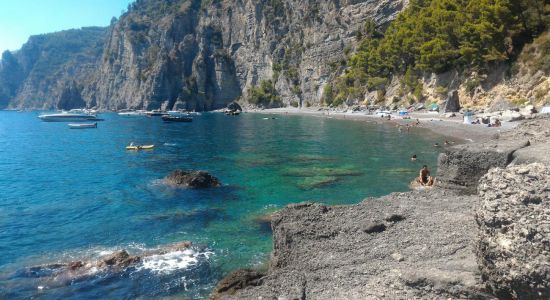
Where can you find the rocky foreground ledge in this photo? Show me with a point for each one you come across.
(447, 242)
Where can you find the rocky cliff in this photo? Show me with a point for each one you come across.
(200, 54)
(50, 70)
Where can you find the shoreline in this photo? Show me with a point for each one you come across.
(409, 245)
(439, 124)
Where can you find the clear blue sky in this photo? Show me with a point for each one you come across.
(20, 19)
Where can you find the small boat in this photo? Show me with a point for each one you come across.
(231, 112)
(139, 147)
(155, 113)
(83, 125)
(132, 113)
(170, 119)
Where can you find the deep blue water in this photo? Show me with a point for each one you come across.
(78, 194)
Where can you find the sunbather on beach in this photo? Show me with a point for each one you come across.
(424, 177)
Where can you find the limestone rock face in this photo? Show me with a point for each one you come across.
(513, 247)
(50, 70)
(185, 54)
(462, 166)
(452, 103)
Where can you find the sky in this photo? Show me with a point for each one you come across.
(20, 19)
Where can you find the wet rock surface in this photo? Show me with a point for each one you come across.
(119, 259)
(513, 246)
(116, 262)
(192, 179)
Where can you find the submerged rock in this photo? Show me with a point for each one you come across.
(192, 179)
(513, 247)
(119, 259)
(309, 183)
(322, 171)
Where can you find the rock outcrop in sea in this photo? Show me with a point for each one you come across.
(440, 243)
(192, 179)
(116, 262)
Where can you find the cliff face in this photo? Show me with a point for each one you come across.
(201, 57)
(50, 70)
(198, 55)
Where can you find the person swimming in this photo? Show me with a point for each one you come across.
(436, 145)
(413, 158)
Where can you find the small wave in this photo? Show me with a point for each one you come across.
(170, 144)
(173, 261)
(157, 183)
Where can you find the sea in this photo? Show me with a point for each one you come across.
(79, 195)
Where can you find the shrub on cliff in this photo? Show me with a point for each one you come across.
(440, 35)
(264, 95)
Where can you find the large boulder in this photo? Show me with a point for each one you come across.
(452, 104)
(234, 106)
(462, 166)
(192, 179)
(513, 247)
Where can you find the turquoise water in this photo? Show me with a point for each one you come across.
(77, 194)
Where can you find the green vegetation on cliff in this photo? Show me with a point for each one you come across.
(437, 36)
(264, 95)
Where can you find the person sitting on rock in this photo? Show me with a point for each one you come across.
(424, 177)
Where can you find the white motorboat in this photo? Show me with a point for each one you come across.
(83, 125)
(133, 113)
(68, 117)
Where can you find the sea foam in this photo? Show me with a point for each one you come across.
(173, 261)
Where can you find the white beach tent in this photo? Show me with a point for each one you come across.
(468, 117)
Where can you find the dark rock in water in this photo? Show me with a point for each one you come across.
(179, 246)
(74, 265)
(192, 179)
(514, 231)
(263, 222)
(236, 281)
(374, 227)
(234, 106)
(452, 103)
(119, 259)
